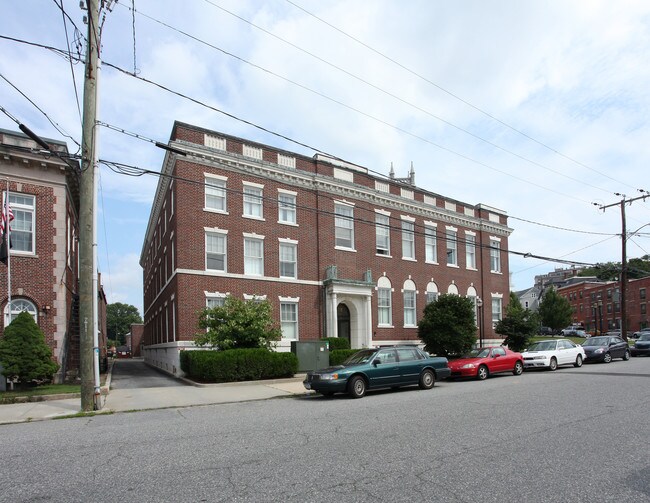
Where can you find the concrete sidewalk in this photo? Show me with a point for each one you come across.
(120, 400)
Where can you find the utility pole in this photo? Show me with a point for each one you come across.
(624, 236)
(87, 266)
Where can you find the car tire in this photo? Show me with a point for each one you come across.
(427, 379)
(519, 368)
(552, 364)
(482, 373)
(357, 387)
(607, 358)
(578, 362)
(626, 355)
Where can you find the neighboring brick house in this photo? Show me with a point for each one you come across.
(44, 198)
(597, 305)
(134, 339)
(336, 249)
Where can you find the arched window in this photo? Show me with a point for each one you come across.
(472, 295)
(409, 303)
(452, 289)
(432, 292)
(384, 307)
(17, 307)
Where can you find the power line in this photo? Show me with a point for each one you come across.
(354, 109)
(455, 96)
(67, 40)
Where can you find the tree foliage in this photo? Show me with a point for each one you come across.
(518, 325)
(611, 271)
(554, 310)
(238, 324)
(24, 354)
(448, 326)
(119, 318)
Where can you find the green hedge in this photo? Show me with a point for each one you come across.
(238, 365)
(338, 356)
(337, 343)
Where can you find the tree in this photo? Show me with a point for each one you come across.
(448, 325)
(119, 318)
(24, 354)
(518, 325)
(238, 324)
(554, 310)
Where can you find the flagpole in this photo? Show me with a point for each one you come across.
(8, 245)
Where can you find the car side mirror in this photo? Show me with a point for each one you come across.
(376, 362)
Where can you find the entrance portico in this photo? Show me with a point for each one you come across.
(348, 307)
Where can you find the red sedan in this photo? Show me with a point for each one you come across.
(480, 363)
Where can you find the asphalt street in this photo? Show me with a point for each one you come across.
(570, 435)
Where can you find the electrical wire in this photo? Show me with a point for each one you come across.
(67, 40)
(455, 96)
(365, 114)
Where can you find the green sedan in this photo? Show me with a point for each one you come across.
(379, 368)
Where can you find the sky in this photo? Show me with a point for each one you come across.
(538, 108)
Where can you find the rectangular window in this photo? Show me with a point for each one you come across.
(408, 240)
(215, 194)
(384, 308)
(211, 302)
(495, 256)
(409, 308)
(470, 251)
(643, 309)
(382, 233)
(289, 320)
(253, 257)
(215, 251)
(430, 245)
(432, 297)
(496, 310)
(22, 227)
(286, 208)
(452, 247)
(641, 293)
(252, 202)
(288, 258)
(344, 225)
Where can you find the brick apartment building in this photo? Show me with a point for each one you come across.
(336, 249)
(596, 305)
(44, 198)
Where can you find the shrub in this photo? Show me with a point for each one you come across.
(238, 365)
(337, 343)
(338, 356)
(24, 354)
(447, 326)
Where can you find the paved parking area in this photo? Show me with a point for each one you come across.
(130, 373)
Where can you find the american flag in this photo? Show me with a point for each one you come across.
(3, 218)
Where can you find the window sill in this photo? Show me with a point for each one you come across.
(213, 210)
(455, 266)
(496, 272)
(385, 326)
(410, 326)
(409, 259)
(342, 248)
(251, 217)
(383, 255)
(292, 224)
(471, 268)
(430, 262)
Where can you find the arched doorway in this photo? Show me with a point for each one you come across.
(343, 321)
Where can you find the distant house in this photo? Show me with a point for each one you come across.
(44, 198)
(530, 297)
(338, 250)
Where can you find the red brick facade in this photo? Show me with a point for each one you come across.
(597, 305)
(335, 290)
(44, 273)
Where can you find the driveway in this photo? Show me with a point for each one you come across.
(131, 373)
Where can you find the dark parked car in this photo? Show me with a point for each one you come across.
(379, 368)
(642, 345)
(480, 363)
(638, 334)
(604, 348)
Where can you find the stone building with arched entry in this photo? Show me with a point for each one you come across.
(337, 249)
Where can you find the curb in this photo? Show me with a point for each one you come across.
(295, 378)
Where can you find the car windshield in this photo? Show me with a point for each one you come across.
(596, 341)
(478, 353)
(644, 337)
(543, 346)
(360, 357)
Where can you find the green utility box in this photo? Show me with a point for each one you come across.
(312, 355)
